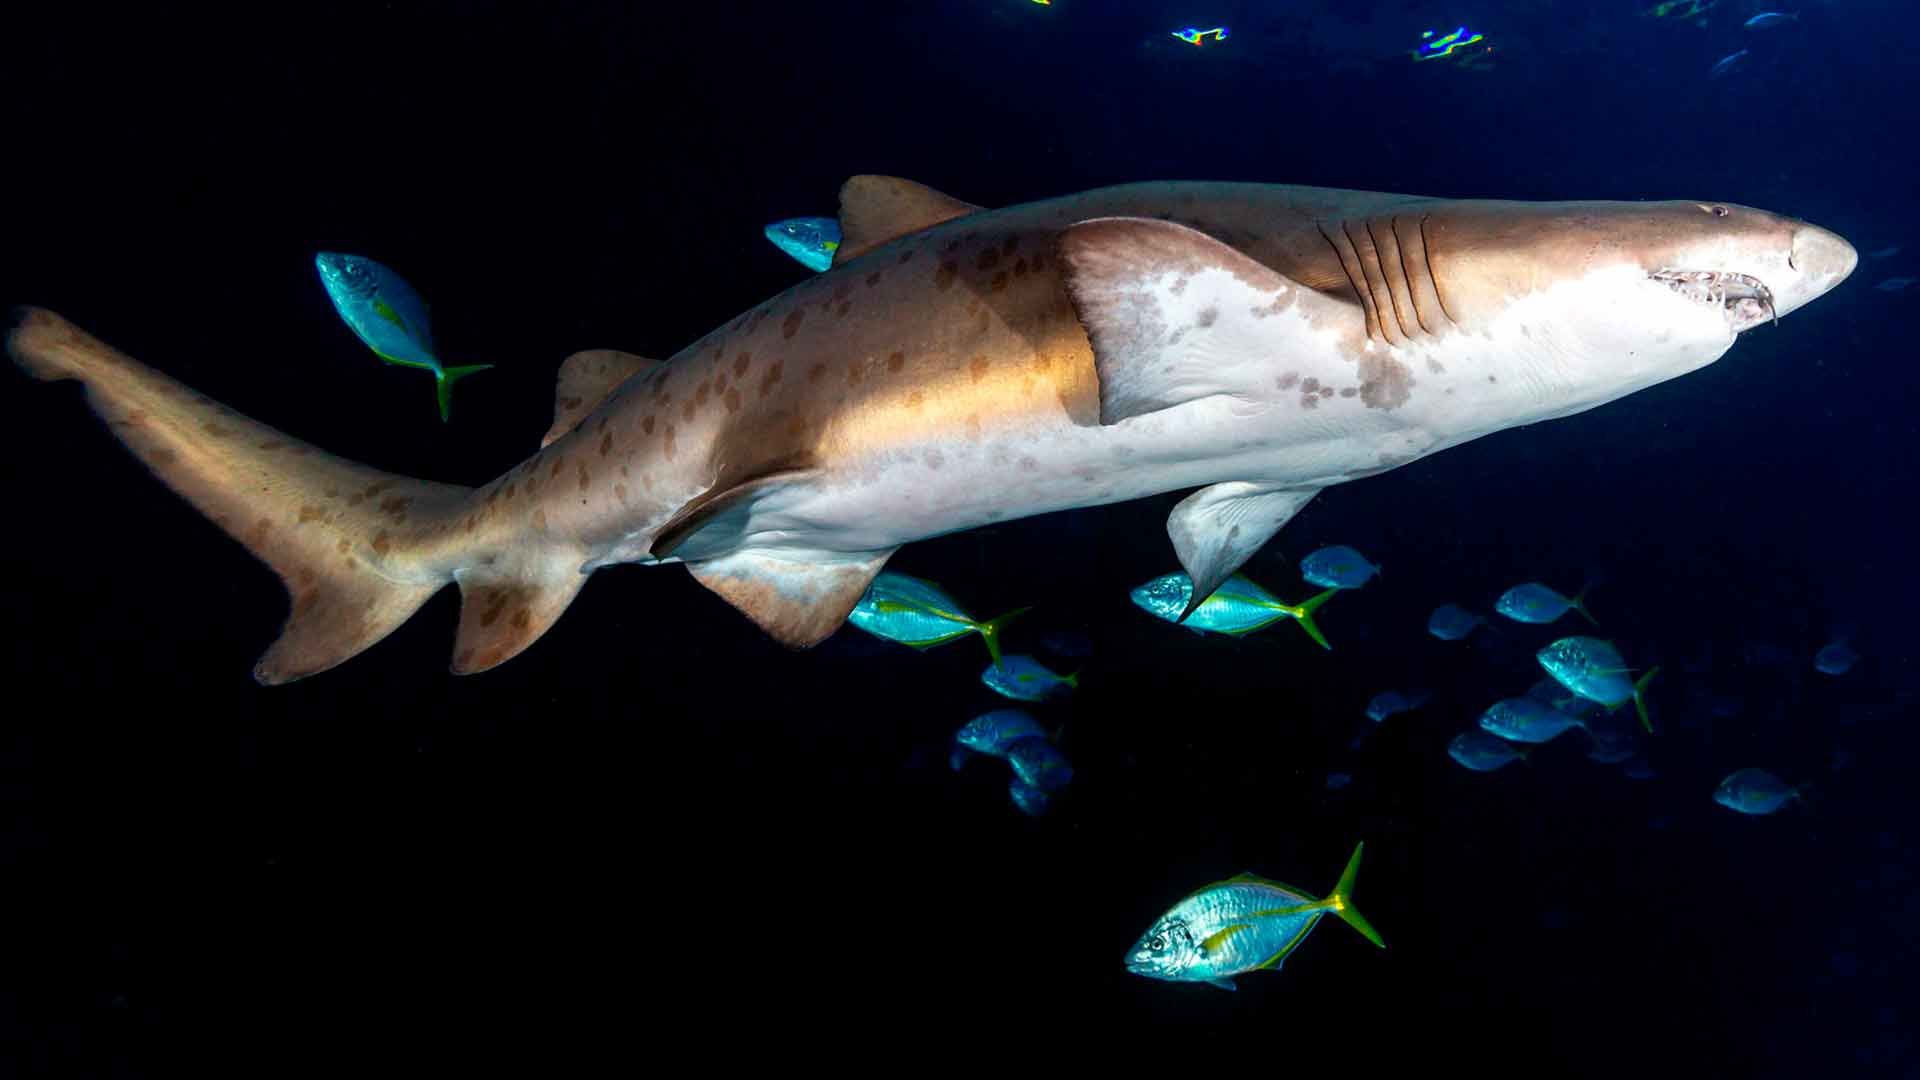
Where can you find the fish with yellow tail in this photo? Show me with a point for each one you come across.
(1250, 344)
(1242, 924)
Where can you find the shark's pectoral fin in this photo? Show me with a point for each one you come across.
(587, 379)
(1217, 529)
(877, 209)
(1176, 316)
(798, 597)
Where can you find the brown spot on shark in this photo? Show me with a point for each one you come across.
(585, 476)
(853, 371)
(646, 424)
(873, 279)
(816, 372)
(791, 325)
(668, 439)
(1287, 381)
(742, 362)
(381, 542)
(771, 377)
(977, 367)
(895, 361)
(989, 258)
(540, 519)
(1385, 383)
(999, 283)
(1020, 268)
(943, 277)
(310, 513)
(395, 507)
(733, 401)
(916, 399)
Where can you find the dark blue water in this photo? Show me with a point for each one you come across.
(658, 832)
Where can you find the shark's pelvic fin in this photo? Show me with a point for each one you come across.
(351, 543)
(587, 379)
(875, 210)
(1217, 529)
(798, 597)
(1176, 316)
(720, 520)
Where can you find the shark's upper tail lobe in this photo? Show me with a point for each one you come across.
(358, 549)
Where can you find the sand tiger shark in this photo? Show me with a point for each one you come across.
(958, 366)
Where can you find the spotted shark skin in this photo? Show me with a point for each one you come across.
(960, 366)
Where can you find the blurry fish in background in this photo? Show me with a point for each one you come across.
(1482, 752)
(1336, 781)
(1039, 764)
(1393, 702)
(1837, 658)
(1461, 46)
(1242, 924)
(1069, 643)
(1023, 678)
(1680, 9)
(992, 733)
(1195, 36)
(1525, 720)
(918, 613)
(1561, 699)
(1031, 800)
(1595, 670)
(389, 317)
(1237, 607)
(957, 759)
(1770, 20)
(1451, 622)
(1338, 567)
(1755, 791)
(1896, 284)
(1537, 604)
(1612, 743)
(1884, 253)
(1727, 64)
(1637, 769)
(810, 240)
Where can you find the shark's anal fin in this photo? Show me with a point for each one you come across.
(1217, 529)
(798, 597)
(875, 210)
(587, 379)
(1174, 316)
(508, 602)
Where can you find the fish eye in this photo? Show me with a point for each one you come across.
(1158, 944)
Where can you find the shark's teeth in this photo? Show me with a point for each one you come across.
(1744, 296)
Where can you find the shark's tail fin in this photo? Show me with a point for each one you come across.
(358, 549)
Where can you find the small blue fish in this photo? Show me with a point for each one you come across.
(957, 760)
(1243, 924)
(1884, 253)
(1039, 764)
(1482, 752)
(1755, 791)
(918, 613)
(1638, 769)
(1237, 607)
(1896, 284)
(993, 732)
(1537, 604)
(1023, 678)
(1611, 746)
(1726, 64)
(1560, 699)
(811, 240)
(1337, 568)
(1451, 622)
(1031, 800)
(389, 317)
(1391, 702)
(1768, 20)
(1336, 781)
(1525, 720)
(1837, 658)
(1594, 669)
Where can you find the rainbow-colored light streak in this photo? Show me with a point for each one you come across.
(1194, 37)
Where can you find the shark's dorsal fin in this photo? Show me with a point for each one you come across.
(1217, 529)
(1175, 316)
(586, 380)
(798, 597)
(877, 209)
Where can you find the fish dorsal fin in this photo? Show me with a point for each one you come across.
(587, 379)
(798, 597)
(1217, 529)
(1176, 316)
(877, 209)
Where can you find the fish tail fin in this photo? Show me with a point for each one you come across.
(1304, 616)
(359, 550)
(990, 630)
(1340, 900)
(1580, 604)
(1073, 680)
(443, 381)
(1640, 698)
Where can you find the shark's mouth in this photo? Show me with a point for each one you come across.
(1747, 300)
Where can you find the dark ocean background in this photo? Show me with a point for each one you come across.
(658, 834)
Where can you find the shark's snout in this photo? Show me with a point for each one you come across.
(1820, 254)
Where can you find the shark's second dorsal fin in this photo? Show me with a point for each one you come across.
(877, 209)
(587, 379)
